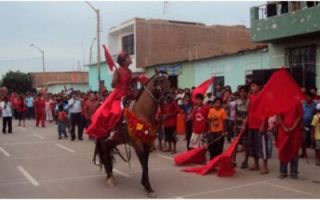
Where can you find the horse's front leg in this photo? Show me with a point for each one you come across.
(143, 156)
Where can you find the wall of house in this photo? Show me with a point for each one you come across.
(277, 52)
(57, 88)
(233, 68)
(106, 75)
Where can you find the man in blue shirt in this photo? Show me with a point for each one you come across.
(29, 101)
(309, 109)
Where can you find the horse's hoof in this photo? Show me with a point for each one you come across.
(151, 195)
(111, 182)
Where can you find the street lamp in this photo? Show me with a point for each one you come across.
(97, 11)
(42, 52)
(90, 59)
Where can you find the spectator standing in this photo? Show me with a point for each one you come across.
(39, 107)
(6, 108)
(74, 105)
(22, 110)
(29, 102)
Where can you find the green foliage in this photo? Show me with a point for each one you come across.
(18, 82)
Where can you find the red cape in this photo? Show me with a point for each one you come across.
(290, 143)
(279, 95)
(282, 95)
(202, 88)
(223, 162)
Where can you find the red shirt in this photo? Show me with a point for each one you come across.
(170, 109)
(254, 121)
(39, 105)
(200, 119)
(62, 116)
(21, 106)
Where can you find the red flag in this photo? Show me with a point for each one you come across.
(194, 156)
(202, 88)
(222, 162)
(279, 95)
(109, 60)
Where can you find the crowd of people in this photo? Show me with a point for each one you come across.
(205, 121)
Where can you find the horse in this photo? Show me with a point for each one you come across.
(145, 108)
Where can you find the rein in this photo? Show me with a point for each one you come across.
(127, 158)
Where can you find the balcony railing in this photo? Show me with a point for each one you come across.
(272, 9)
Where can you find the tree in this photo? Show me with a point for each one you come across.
(18, 82)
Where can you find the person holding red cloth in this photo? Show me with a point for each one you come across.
(109, 113)
(289, 140)
(169, 117)
(199, 117)
(39, 106)
(255, 124)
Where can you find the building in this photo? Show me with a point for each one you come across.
(189, 51)
(292, 31)
(55, 82)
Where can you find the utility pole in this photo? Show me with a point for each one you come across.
(90, 58)
(97, 11)
(42, 53)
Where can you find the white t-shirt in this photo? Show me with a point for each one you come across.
(232, 110)
(6, 110)
(74, 107)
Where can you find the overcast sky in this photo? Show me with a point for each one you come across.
(64, 30)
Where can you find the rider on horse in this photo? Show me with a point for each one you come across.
(110, 112)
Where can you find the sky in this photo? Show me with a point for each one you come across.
(65, 30)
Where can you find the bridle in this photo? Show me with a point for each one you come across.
(157, 88)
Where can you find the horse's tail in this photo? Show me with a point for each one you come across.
(98, 152)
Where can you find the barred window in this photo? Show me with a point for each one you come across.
(128, 44)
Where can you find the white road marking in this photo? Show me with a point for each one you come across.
(4, 152)
(221, 190)
(38, 136)
(165, 157)
(28, 176)
(121, 173)
(291, 189)
(65, 148)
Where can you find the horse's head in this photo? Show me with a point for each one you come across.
(158, 86)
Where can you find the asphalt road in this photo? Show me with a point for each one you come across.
(35, 164)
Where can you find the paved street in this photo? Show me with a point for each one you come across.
(35, 164)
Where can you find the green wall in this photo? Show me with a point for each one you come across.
(93, 76)
(233, 68)
(306, 20)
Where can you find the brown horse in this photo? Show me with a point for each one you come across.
(145, 107)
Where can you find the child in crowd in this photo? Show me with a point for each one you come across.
(199, 117)
(217, 116)
(61, 121)
(316, 134)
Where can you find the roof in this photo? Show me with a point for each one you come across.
(41, 79)
(164, 41)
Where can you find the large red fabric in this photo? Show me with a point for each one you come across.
(109, 113)
(109, 60)
(202, 88)
(279, 95)
(282, 95)
(222, 162)
(194, 156)
(289, 143)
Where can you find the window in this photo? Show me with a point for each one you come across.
(128, 44)
(302, 64)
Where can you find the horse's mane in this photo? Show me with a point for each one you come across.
(142, 89)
